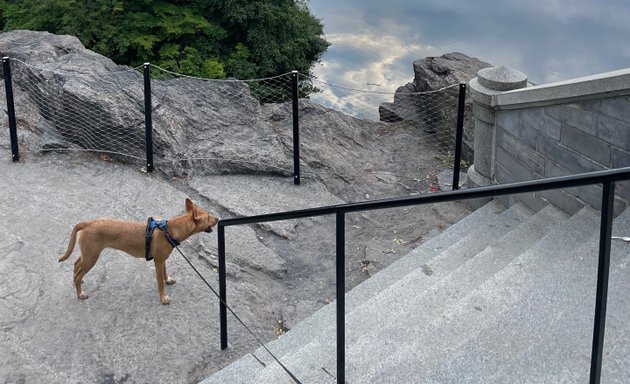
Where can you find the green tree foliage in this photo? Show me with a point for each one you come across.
(207, 38)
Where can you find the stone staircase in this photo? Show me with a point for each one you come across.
(502, 296)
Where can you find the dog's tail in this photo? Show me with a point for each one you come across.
(73, 239)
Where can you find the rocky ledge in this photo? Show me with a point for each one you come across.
(431, 74)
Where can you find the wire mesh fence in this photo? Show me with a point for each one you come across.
(215, 126)
(423, 124)
(58, 109)
(202, 124)
(433, 112)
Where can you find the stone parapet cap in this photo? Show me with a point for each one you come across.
(480, 93)
(609, 84)
(494, 80)
(501, 78)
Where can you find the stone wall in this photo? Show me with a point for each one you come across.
(559, 129)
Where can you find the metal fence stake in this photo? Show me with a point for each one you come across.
(459, 134)
(148, 120)
(8, 84)
(222, 287)
(296, 128)
(341, 296)
(603, 269)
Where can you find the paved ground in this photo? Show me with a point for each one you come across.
(122, 334)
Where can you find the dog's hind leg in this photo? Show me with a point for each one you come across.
(82, 266)
(78, 278)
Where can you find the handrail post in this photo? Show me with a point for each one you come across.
(603, 269)
(296, 128)
(459, 134)
(341, 296)
(222, 286)
(148, 121)
(8, 85)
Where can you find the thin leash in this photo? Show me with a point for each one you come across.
(172, 242)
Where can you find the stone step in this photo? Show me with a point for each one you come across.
(239, 372)
(425, 252)
(412, 346)
(397, 296)
(437, 290)
(444, 260)
(521, 310)
(559, 350)
(617, 340)
(434, 343)
(294, 339)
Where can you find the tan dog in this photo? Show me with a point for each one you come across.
(130, 237)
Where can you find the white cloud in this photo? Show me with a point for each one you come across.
(383, 51)
(380, 71)
(548, 40)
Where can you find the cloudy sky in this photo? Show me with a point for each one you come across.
(375, 42)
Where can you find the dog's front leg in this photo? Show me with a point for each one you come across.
(169, 280)
(160, 273)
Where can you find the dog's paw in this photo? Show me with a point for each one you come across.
(83, 295)
(165, 300)
(171, 280)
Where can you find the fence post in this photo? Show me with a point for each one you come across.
(222, 287)
(296, 128)
(459, 134)
(148, 121)
(603, 268)
(8, 84)
(340, 279)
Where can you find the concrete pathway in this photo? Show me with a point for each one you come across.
(121, 333)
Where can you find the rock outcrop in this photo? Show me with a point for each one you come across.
(437, 111)
(67, 96)
(65, 92)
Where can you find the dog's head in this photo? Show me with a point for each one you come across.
(204, 221)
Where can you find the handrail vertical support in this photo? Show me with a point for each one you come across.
(222, 286)
(459, 134)
(148, 121)
(603, 269)
(8, 85)
(296, 128)
(340, 279)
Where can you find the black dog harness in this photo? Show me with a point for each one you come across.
(163, 226)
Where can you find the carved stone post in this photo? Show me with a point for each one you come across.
(489, 82)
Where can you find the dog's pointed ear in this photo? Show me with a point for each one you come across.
(190, 206)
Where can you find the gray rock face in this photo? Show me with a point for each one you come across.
(90, 102)
(69, 97)
(436, 111)
(433, 73)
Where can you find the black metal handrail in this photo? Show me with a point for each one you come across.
(607, 178)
